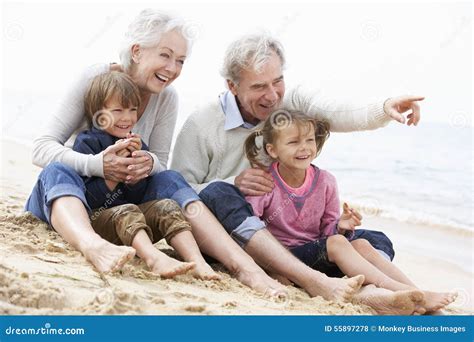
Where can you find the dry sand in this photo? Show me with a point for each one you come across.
(41, 274)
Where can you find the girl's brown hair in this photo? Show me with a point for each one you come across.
(105, 86)
(277, 121)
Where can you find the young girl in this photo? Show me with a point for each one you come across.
(302, 211)
(129, 214)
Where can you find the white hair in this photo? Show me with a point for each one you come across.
(146, 31)
(250, 52)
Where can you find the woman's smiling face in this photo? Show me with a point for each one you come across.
(157, 67)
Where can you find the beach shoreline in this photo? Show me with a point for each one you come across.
(41, 274)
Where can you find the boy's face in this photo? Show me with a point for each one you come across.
(122, 119)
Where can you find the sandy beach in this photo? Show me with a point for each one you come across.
(41, 274)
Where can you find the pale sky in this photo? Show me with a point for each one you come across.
(353, 52)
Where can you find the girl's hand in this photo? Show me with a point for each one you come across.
(350, 219)
(140, 168)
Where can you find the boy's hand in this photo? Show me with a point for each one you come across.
(135, 142)
(123, 153)
(350, 219)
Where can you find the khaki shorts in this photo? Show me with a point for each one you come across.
(161, 219)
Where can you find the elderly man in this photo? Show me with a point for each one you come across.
(209, 153)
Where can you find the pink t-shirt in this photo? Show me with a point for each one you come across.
(298, 216)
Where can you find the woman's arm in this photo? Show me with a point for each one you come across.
(162, 133)
(68, 118)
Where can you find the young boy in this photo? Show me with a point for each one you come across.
(121, 214)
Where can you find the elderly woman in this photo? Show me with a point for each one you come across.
(153, 56)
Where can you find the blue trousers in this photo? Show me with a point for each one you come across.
(229, 206)
(58, 180)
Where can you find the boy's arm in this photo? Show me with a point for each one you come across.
(90, 144)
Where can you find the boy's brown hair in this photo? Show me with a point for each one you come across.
(104, 87)
(277, 121)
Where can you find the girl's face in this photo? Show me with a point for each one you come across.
(294, 147)
(121, 120)
(157, 67)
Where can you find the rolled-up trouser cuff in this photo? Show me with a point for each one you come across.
(245, 231)
(185, 196)
(63, 190)
(385, 255)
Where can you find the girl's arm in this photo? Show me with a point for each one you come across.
(259, 203)
(330, 217)
(67, 119)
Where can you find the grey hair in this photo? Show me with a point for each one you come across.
(250, 52)
(146, 30)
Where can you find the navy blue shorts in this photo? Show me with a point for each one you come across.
(315, 253)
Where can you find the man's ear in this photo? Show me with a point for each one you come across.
(232, 87)
(136, 53)
(271, 151)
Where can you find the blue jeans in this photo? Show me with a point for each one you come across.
(58, 180)
(229, 206)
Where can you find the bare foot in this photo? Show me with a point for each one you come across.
(259, 281)
(386, 302)
(435, 301)
(107, 257)
(336, 289)
(167, 267)
(281, 279)
(205, 272)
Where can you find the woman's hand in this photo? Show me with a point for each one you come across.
(116, 166)
(140, 168)
(254, 182)
(350, 219)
